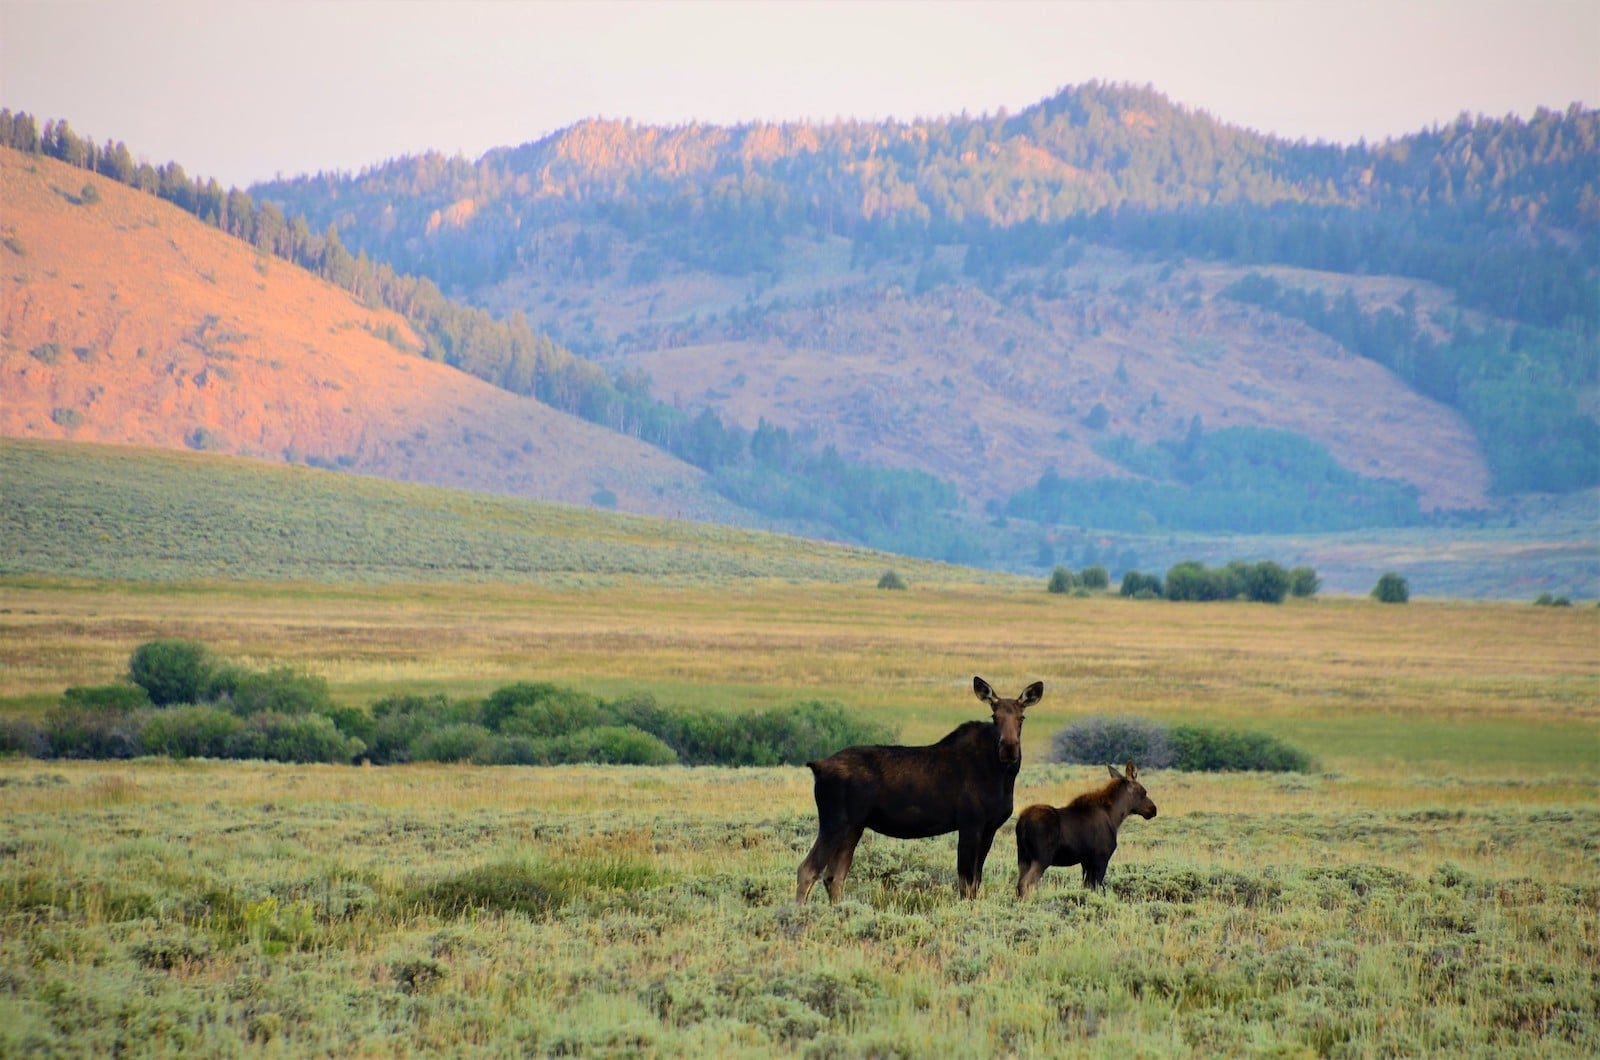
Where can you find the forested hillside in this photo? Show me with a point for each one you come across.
(1499, 218)
(1105, 311)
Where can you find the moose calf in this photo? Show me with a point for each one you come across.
(1083, 832)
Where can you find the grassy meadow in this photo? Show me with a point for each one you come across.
(1431, 886)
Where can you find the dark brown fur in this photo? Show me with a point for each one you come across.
(961, 784)
(1083, 832)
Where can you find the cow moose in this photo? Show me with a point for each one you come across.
(961, 784)
(1083, 832)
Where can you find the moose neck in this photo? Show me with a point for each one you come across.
(1120, 804)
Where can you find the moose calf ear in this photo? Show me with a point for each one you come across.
(1133, 771)
(1113, 771)
(1032, 694)
(981, 689)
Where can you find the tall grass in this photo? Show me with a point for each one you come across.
(604, 910)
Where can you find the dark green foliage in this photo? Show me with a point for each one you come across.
(461, 742)
(1094, 577)
(1303, 581)
(891, 580)
(191, 732)
(621, 745)
(539, 710)
(171, 671)
(1101, 740)
(1546, 600)
(74, 732)
(118, 696)
(1214, 750)
(1517, 386)
(1391, 589)
(1265, 582)
(1141, 586)
(282, 690)
(401, 721)
(1239, 479)
(292, 738)
(778, 736)
(1060, 581)
(1192, 580)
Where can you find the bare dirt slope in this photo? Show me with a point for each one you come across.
(125, 320)
(991, 389)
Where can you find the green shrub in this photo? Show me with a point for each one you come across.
(1224, 750)
(1303, 581)
(74, 732)
(1094, 577)
(891, 580)
(22, 736)
(1194, 581)
(621, 745)
(292, 738)
(1265, 582)
(352, 721)
(1101, 740)
(171, 671)
(461, 742)
(781, 736)
(1060, 581)
(1391, 589)
(511, 751)
(281, 690)
(539, 710)
(190, 732)
(1546, 600)
(1139, 586)
(117, 696)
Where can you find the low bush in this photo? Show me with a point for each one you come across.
(1225, 750)
(460, 742)
(1094, 577)
(618, 745)
(891, 580)
(190, 732)
(171, 671)
(1101, 740)
(118, 696)
(539, 710)
(1139, 586)
(76, 732)
(1391, 589)
(282, 690)
(1060, 581)
(293, 738)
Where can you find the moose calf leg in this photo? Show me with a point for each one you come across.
(1028, 874)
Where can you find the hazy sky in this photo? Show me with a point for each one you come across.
(242, 90)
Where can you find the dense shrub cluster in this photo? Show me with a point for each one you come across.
(1099, 740)
(1264, 582)
(182, 703)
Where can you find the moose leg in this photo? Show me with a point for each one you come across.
(821, 857)
(967, 871)
(840, 866)
(1028, 875)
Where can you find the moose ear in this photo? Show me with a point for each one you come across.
(1031, 695)
(981, 689)
(1113, 771)
(1133, 771)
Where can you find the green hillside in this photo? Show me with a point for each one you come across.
(129, 513)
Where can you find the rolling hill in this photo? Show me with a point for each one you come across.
(127, 320)
(996, 298)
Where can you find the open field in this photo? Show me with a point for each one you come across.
(1431, 887)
